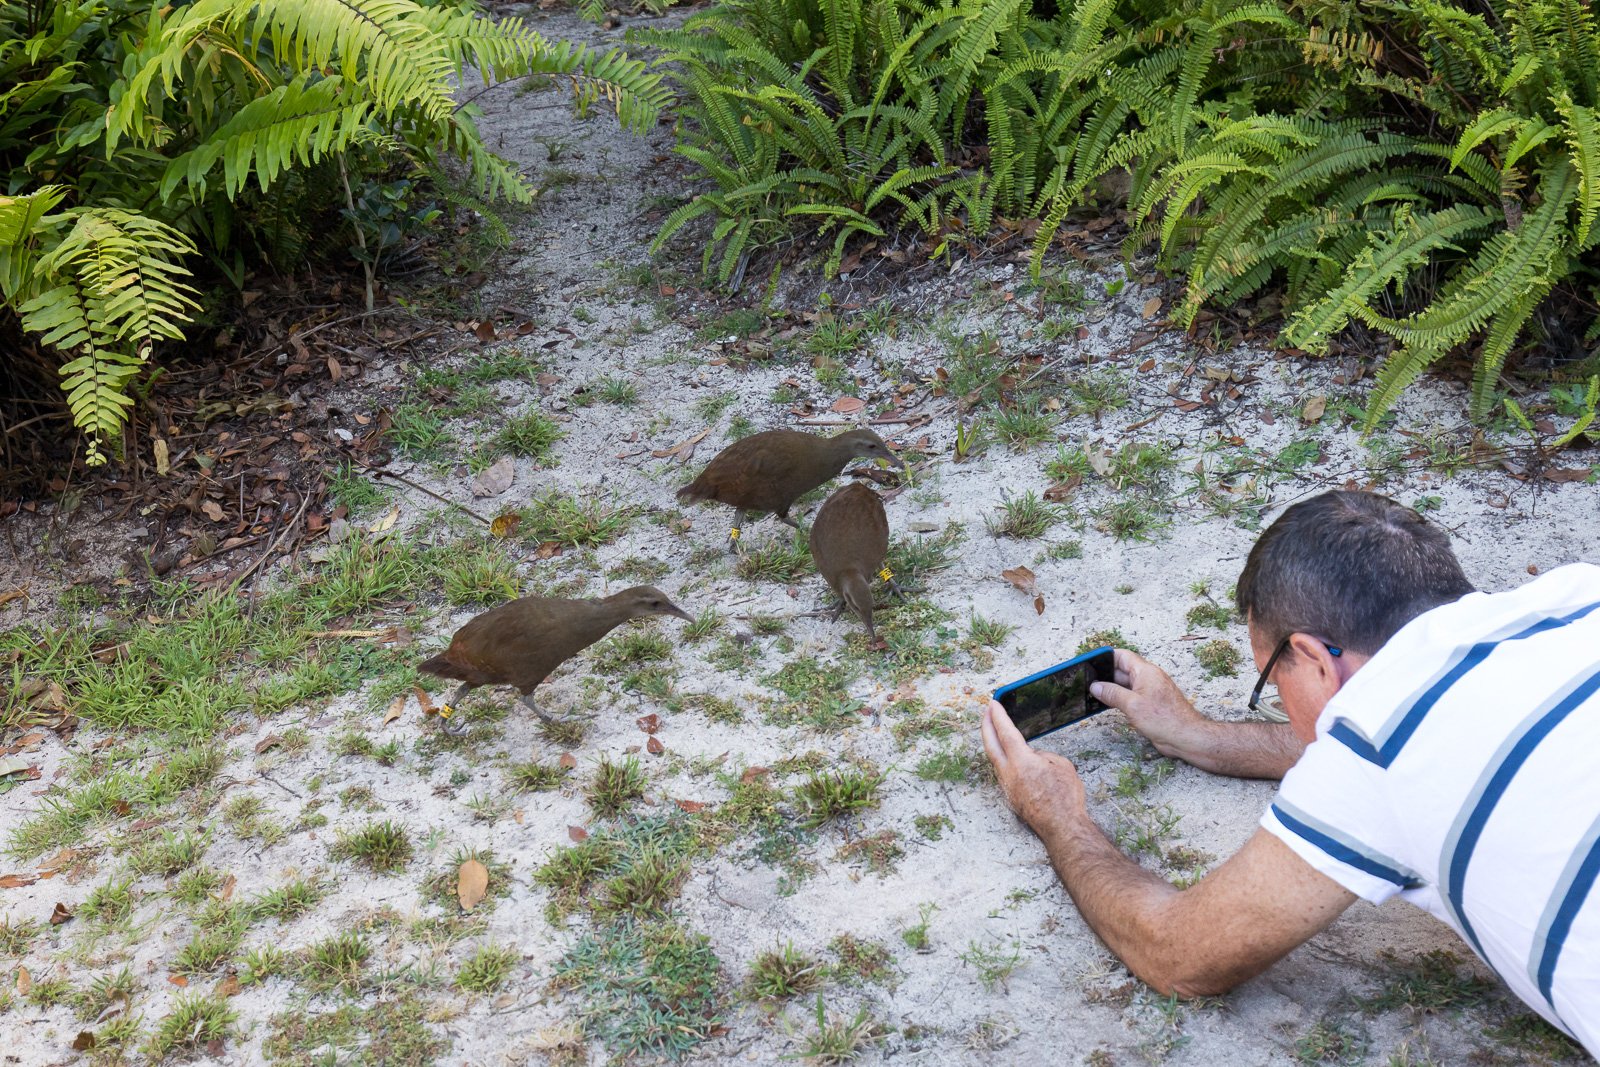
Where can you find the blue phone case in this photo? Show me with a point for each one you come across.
(1074, 661)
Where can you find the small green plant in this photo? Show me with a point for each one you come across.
(554, 516)
(209, 949)
(618, 391)
(1432, 982)
(1331, 1041)
(916, 935)
(949, 765)
(834, 795)
(1133, 519)
(933, 827)
(1023, 426)
(536, 777)
(1097, 392)
(837, 1040)
(487, 969)
(16, 935)
(196, 1020)
(383, 846)
(994, 963)
(288, 901)
(704, 625)
(533, 435)
(1219, 658)
(195, 886)
(781, 973)
(109, 904)
(778, 560)
(615, 786)
(336, 961)
(987, 632)
(263, 962)
(1025, 517)
(104, 991)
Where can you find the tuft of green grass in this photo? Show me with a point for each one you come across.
(169, 855)
(417, 430)
(1068, 463)
(536, 777)
(615, 786)
(949, 765)
(475, 573)
(195, 886)
(110, 904)
(839, 1040)
(1025, 517)
(704, 625)
(1432, 982)
(834, 795)
(994, 963)
(913, 558)
(567, 733)
(1210, 613)
(1219, 658)
(648, 885)
(640, 570)
(710, 408)
(1023, 426)
(1109, 638)
(778, 560)
(263, 962)
(383, 846)
(487, 969)
(336, 961)
(644, 988)
(358, 495)
(618, 391)
(533, 435)
(933, 827)
(1533, 1037)
(389, 1031)
(1133, 519)
(1144, 466)
(16, 936)
(288, 901)
(209, 948)
(566, 520)
(916, 935)
(780, 973)
(1097, 392)
(1331, 1041)
(987, 632)
(196, 1020)
(631, 648)
(104, 991)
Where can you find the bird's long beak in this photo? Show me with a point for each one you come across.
(680, 613)
(896, 461)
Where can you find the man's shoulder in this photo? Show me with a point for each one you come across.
(1439, 645)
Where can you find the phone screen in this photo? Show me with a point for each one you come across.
(1058, 697)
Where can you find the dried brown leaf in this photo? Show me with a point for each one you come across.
(578, 834)
(472, 884)
(397, 707)
(654, 746)
(1314, 409)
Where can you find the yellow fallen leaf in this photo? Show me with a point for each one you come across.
(163, 457)
(472, 882)
(385, 522)
(396, 706)
(1314, 409)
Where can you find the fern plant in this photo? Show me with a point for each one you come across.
(1463, 195)
(134, 138)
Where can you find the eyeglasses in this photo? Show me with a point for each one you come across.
(1272, 661)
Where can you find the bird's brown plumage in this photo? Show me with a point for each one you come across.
(769, 471)
(849, 541)
(520, 643)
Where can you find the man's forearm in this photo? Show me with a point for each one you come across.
(1121, 900)
(1237, 749)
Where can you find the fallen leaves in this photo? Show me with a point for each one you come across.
(1150, 308)
(1063, 491)
(397, 707)
(848, 405)
(683, 450)
(60, 914)
(691, 807)
(24, 982)
(271, 741)
(1027, 583)
(229, 986)
(567, 762)
(13, 594)
(495, 479)
(649, 723)
(654, 746)
(578, 834)
(1314, 409)
(505, 525)
(17, 881)
(385, 522)
(472, 884)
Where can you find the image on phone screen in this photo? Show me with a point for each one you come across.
(1057, 697)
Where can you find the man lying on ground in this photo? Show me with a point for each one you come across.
(1442, 744)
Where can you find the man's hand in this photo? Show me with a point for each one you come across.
(1157, 708)
(1041, 787)
(1154, 705)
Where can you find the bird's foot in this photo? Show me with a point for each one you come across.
(452, 724)
(787, 521)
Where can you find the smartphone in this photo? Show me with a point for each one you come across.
(1059, 696)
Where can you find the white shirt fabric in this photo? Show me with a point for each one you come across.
(1460, 769)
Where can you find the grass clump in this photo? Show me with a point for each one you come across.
(777, 561)
(618, 391)
(780, 973)
(110, 904)
(647, 886)
(16, 935)
(389, 1032)
(644, 988)
(1219, 658)
(209, 949)
(986, 632)
(1433, 982)
(1331, 1041)
(476, 573)
(336, 961)
(914, 558)
(1133, 519)
(838, 1040)
(532, 435)
(632, 648)
(288, 901)
(383, 846)
(194, 887)
(536, 777)
(169, 855)
(1023, 426)
(827, 797)
(487, 969)
(196, 1020)
(566, 520)
(950, 765)
(615, 786)
(704, 625)
(994, 963)
(1025, 517)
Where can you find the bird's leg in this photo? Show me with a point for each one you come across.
(888, 579)
(532, 705)
(449, 721)
(739, 519)
(787, 521)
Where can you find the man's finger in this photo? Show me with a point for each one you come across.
(1006, 733)
(991, 743)
(1111, 693)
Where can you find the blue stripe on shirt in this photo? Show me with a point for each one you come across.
(1361, 858)
(1389, 747)
(1492, 785)
(1571, 890)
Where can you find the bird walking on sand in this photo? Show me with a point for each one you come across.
(849, 541)
(769, 471)
(521, 642)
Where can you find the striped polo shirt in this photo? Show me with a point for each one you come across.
(1460, 768)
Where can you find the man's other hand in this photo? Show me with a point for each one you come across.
(1039, 786)
(1154, 705)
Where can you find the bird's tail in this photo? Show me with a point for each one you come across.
(439, 665)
